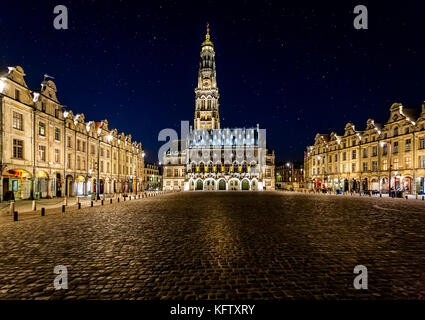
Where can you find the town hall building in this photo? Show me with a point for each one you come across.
(215, 158)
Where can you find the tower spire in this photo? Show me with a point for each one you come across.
(206, 105)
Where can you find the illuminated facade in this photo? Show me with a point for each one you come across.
(378, 159)
(152, 177)
(289, 176)
(211, 158)
(47, 151)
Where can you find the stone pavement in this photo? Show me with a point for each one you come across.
(220, 245)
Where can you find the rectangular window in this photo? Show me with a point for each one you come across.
(353, 167)
(408, 162)
(422, 143)
(42, 152)
(83, 166)
(385, 149)
(101, 166)
(92, 149)
(344, 156)
(84, 146)
(69, 162)
(78, 163)
(395, 147)
(374, 151)
(336, 158)
(57, 155)
(408, 145)
(101, 152)
(395, 164)
(17, 120)
(422, 162)
(57, 134)
(107, 167)
(374, 166)
(364, 166)
(385, 164)
(18, 146)
(78, 145)
(314, 171)
(365, 155)
(68, 141)
(353, 156)
(41, 128)
(176, 172)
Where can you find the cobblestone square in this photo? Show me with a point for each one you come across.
(220, 245)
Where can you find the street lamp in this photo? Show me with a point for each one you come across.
(98, 165)
(383, 144)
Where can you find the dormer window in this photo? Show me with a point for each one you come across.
(17, 95)
(396, 131)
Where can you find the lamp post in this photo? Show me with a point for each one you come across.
(291, 165)
(389, 165)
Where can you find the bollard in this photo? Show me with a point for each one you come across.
(63, 208)
(101, 202)
(79, 205)
(15, 216)
(78, 200)
(380, 195)
(118, 199)
(407, 197)
(110, 201)
(43, 212)
(123, 199)
(34, 205)
(91, 203)
(12, 208)
(129, 197)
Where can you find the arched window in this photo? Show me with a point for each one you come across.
(244, 167)
(202, 167)
(210, 168)
(235, 167)
(193, 167)
(219, 167)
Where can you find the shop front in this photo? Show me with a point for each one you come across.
(80, 183)
(16, 184)
(406, 183)
(41, 184)
(420, 185)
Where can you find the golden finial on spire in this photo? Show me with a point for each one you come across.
(207, 41)
(207, 37)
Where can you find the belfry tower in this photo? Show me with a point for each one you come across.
(206, 109)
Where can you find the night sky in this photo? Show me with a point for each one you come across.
(296, 68)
